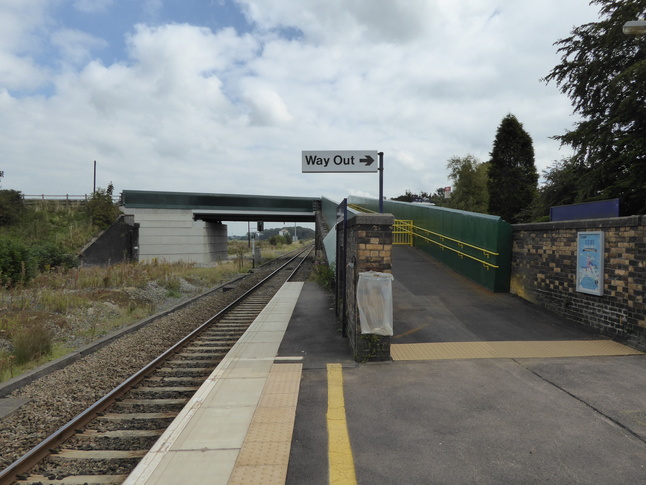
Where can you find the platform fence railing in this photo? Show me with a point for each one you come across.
(405, 232)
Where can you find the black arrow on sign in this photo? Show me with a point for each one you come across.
(368, 160)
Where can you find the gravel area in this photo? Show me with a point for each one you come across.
(58, 397)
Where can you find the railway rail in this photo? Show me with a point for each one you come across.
(103, 444)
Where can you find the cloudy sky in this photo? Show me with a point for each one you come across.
(222, 96)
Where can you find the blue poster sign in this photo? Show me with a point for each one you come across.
(589, 262)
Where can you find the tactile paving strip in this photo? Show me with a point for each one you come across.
(265, 452)
(509, 350)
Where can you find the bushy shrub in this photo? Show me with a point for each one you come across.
(324, 275)
(49, 256)
(11, 207)
(102, 211)
(17, 263)
(277, 240)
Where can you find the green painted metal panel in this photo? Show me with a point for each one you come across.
(189, 200)
(459, 239)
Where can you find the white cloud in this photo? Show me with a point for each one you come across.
(18, 72)
(266, 106)
(197, 48)
(21, 27)
(193, 109)
(75, 46)
(344, 21)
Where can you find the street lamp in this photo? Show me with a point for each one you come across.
(635, 27)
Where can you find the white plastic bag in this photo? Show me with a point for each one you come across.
(375, 302)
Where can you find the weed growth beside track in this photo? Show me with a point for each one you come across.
(49, 306)
(63, 309)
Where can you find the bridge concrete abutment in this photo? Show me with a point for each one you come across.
(172, 235)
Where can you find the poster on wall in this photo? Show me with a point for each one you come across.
(589, 262)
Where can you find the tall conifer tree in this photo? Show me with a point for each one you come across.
(513, 177)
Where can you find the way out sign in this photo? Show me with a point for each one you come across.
(331, 161)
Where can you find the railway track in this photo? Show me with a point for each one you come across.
(103, 444)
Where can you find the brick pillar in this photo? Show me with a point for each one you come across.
(370, 238)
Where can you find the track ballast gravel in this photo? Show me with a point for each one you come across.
(58, 397)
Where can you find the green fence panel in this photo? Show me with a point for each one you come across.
(477, 246)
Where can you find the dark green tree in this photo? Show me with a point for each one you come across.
(439, 198)
(513, 178)
(101, 209)
(17, 263)
(469, 178)
(12, 206)
(560, 187)
(277, 240)
(603, 72)
(407, 197)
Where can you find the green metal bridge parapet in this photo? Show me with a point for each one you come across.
(236, 207)
(477, 246)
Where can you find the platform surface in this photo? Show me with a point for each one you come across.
(518, 396)
(513, 394)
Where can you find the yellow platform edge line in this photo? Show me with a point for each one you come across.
(509, 350)
(340, 458)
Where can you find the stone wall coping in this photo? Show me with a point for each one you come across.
(629, 221)
(372, 219)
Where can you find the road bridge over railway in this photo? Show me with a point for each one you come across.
(186, 226)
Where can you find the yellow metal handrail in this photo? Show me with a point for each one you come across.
(360, 209)
(460, 243)
(404, 232)
(487, 253)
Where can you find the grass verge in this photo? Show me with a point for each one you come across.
(62, 310)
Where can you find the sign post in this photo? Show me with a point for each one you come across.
(331, 161)
(346, 161)
(381, 182)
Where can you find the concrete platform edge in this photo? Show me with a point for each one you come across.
(244, 352)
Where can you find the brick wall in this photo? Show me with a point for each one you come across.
(369, 248)
(544, 272)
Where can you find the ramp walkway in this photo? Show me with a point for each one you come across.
(439, 314)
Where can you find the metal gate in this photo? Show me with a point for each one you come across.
(403, 232)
